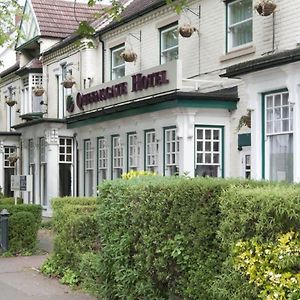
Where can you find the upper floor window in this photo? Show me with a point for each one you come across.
(169, 43)
(117, 63)
(239, 23)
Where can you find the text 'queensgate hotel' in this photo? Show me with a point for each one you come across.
(139, 82)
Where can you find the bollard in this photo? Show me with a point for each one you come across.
(4, 214)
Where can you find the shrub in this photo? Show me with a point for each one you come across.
(76, 233)
(159, 237)
(23, 230)
(10, 201)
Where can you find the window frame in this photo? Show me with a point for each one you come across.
(112, 67)
(221, 140)
(121, 157)
(162, 30)
(176, 153)
(150, 167)
(134, 147)
(104, 159)
(229, 39)
(89, 166)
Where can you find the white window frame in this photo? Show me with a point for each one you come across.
(43, 170)
(8, 151)
(88, 168)
(163, 50)
(151, 151)
(66, 157)
(102, 159)
(205, 154)
(232, 26)
(116, 51)
(171, 149)
(133, 151)
(117, 157)
(274, 126)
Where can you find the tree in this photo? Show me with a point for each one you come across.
(9, 11)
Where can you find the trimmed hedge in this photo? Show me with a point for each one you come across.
(24, 223)
(10, 201)
(159, 237)
(75, 224)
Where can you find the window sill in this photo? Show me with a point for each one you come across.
(237, 53)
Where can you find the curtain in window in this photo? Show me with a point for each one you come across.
(281, 157)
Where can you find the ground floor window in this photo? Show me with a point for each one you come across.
(88, 168)
(43, 173)
(208, 151)
(117, 157)
(9, 169)
(151, 151)
(32, 170)
(65, 166)
(102, 159)
(171, 155)
(132, 151)
(278, 116)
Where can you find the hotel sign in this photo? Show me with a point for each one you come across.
(143, 84)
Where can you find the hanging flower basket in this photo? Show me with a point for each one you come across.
(10, 102)
(265, 7)
(13, 158)
(68, 83)
(245, 120)
(187, 30)
(38, 91)
(128, 56)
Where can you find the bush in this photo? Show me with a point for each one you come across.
(23, 230)
(10, 201)
(76, 233)
(159, 237)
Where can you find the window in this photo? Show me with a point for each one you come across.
(208, 145)
(239, 23)
(151, 151)
(171, 151)
(9, 169)
(65, 166)
(132, 151)
(279, 136)
(43, 173)
(31, 169)
(117, 63)
(117, 157)
(102, 159)
(247, 164)
(88, 168)
(168, 43)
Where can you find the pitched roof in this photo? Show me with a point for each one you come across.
(58, 19)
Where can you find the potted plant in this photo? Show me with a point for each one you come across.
(38, 90)
(265, 7)
(245, 120)
(128, 55)
(10, 102)
(68, 82)
(13, 158)
(187, 30)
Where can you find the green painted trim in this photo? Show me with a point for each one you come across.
(200, 103)
(244, 140)
(160, 31)
(23, 46)
(127, 148)
(111, 57)
(263, 128)
(112, 155)
(84, 164)
(164, 146)
(222, 127)
(145, 148)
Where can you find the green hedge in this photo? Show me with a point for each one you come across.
(75, 224)
(159, 237)
(24, 222)
(10, 201)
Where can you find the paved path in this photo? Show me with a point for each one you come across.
(21, 280)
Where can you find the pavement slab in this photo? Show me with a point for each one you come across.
(20, 279)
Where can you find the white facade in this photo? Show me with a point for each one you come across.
(181, 117)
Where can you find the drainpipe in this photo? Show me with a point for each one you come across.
(103, 53)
